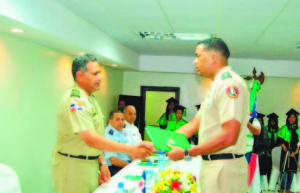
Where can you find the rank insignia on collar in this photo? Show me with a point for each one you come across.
(226, 75)
(75, 93)
(111, 132)
(232, 91)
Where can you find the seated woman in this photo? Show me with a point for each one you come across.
(169, 115)
(174, 125)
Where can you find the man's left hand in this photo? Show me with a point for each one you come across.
(176, 153)
(104, 174)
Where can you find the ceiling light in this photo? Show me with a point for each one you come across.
(114, 65)
(81, 53)
(187, 36)
(16, 30)
(173, 36)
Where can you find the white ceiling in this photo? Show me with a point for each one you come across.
(260, 29)
(263, 29)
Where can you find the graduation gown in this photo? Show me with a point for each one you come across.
(265, 161)
(174, 125)
(273, 134)
(290, 138)
(163, 119)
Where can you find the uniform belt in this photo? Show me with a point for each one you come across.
(79, 156)
(221, 156)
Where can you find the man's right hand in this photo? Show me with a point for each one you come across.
(143, 150)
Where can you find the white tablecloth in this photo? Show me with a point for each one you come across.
(192, 166)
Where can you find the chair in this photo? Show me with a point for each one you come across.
(276, 153)
(264, 183)
(296, 180)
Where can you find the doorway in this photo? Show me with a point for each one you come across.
(154, 104)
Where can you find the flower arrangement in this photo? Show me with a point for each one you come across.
(175, 181)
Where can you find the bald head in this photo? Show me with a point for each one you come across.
(130, 114)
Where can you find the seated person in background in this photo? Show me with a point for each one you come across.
(121, 105)
(169, 115)
(114, 131)
(179, 122)
(130, 129)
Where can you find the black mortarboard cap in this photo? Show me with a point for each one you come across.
(273, 116)
(292, 111)
(172, 100)
(198, 106)
(179, 107)
(182, 108)
(259, 115)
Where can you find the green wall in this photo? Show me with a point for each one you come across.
(32, 80)
(277, 95)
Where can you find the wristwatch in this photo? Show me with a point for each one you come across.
(103, 163)
(187, 156)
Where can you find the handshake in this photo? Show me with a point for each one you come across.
(142, 150)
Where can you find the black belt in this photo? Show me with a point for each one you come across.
(80, 156)
(221, 156)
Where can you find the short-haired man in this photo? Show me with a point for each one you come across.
(131, 130)
(80, 127)
(221, 121)
(115, 132)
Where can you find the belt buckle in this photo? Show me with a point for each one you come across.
(233, 155)
(208, 156)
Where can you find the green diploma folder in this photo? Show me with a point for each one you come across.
(161, 137)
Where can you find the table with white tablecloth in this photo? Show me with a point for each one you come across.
(133, 169)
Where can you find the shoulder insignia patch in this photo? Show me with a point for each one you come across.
(226, 75)
(75, 93)
(111, 132)
(76, 107)
(232, 91)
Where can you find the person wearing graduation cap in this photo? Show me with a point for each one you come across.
(260, 117)
(264, 164)
(169, 115)
(272, 129)
(180, 111)
(289, 137)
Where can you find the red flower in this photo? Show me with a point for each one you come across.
(175, 185)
